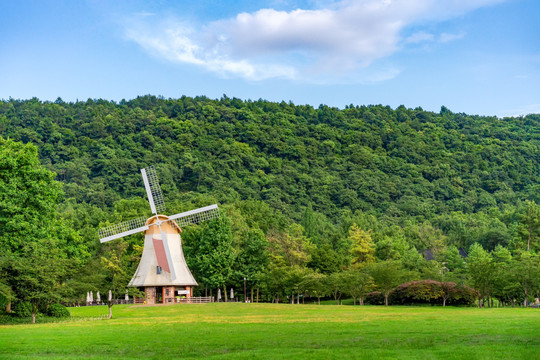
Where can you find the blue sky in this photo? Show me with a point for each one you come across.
(473, 56)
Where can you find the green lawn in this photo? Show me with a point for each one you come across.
(247, 331)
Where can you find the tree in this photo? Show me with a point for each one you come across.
(291, 248)
(117, 278)
(314, 284)
(37, 270)
(363, 248)
(386, 276)
(294, 282)
(31, 241)
(211, 252)
(334, 283)
(505, 286)
(252, 259)
(481, 271)
(527, 274)
(531, 223)
(357, 283)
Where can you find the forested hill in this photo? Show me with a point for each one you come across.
(406, 165)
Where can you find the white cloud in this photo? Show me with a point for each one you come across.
(338, 38)
(420, 37)
(446, 37)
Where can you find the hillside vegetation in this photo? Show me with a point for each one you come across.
(299, 186)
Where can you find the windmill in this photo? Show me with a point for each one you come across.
(162, 270)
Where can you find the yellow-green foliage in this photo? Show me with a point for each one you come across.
(363, 248)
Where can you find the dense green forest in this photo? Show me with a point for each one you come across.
(301, 188)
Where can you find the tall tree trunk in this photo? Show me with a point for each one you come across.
(444, 302)
(110, 310)
(257, 295)
(385, 299)
(34, 312)
(225, 292)
(8, 307)
(251, 298)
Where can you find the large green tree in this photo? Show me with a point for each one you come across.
(210, 253)
(34, 246)
(386, 276)
(481, 271)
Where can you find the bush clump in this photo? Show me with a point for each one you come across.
(463, 295)
(417, 292)
(432, 292)
(22, 309)
(375, 298)
(57, 310)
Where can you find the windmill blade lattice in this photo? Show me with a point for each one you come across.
(153, 190)
(196, 216)
(122, 229)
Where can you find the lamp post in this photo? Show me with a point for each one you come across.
(245, 298)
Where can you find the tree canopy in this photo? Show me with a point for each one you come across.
(306, 192)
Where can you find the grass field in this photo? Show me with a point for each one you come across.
(279, 331)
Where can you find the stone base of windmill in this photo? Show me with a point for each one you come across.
(165, 294)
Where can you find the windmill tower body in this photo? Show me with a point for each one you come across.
(154, 273)
(162, 273)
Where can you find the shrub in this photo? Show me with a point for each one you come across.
(418, 292)
(432, 292)
(3, 302)
(375, 298)
(57, 310)
(22, 309)
(462, 295)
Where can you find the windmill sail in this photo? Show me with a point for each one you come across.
(122, 229)
(153, 190)
(196, 216)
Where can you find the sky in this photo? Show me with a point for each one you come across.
(472, 56)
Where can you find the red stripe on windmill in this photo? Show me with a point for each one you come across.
(162, 270)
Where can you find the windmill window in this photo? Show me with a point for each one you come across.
(158, 269)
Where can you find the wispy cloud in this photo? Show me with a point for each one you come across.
(338, 37)
(145, 14)
(446, 37)
(424, 37)
(420, 37)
